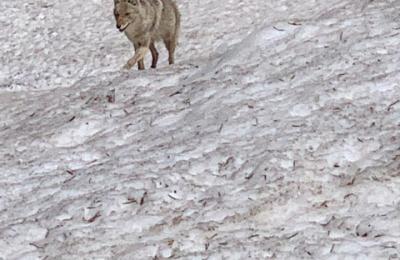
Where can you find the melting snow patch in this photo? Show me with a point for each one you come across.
(77, 133)
(302, 110)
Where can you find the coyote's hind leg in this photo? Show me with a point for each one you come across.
(171, 46)
(154, 54)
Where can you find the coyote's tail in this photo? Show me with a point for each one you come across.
(177, 23)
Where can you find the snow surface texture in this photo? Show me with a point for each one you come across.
(276, 135)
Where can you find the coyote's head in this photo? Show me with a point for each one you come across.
(125, 12)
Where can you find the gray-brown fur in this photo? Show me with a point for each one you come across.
(146, 22)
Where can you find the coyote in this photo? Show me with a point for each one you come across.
(146, 22)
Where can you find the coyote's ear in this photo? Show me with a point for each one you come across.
(133, 2)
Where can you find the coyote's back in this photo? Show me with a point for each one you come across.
(145, 22)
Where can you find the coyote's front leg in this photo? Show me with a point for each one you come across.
(140, 52)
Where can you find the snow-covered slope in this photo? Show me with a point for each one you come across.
(276, 135)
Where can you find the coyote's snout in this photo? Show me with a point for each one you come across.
(146, 21)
